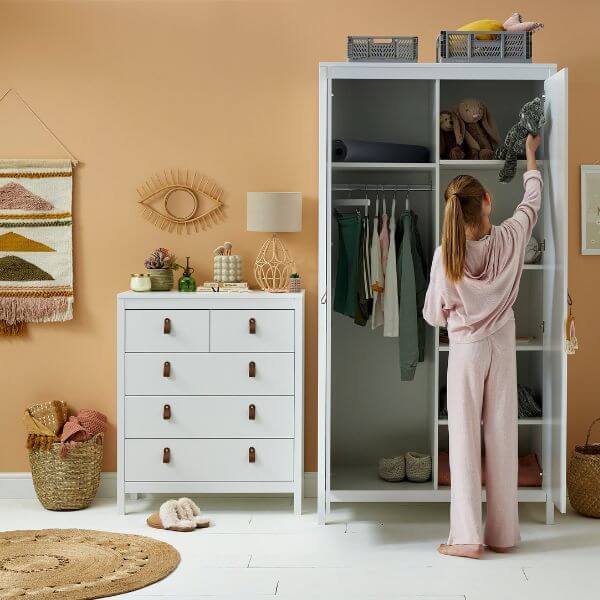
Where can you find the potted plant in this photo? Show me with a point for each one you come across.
(160, 266)
(295, 282)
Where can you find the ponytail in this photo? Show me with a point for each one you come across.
(464, 198)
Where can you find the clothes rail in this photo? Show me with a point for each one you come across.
(368, 187)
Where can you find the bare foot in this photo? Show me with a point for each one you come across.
(501, 549)
(464, 550)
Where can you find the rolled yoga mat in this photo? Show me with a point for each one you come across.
(363, 151)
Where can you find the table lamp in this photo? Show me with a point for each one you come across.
(276, 212)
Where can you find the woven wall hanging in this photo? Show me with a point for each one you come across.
(182, 202)
(36, 265)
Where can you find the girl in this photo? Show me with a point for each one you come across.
(474, 283)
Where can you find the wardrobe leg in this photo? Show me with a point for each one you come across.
(298, 503)
(121, 502)
(549, 512)
(322, 510)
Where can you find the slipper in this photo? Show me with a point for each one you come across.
(189, 510)
(170, 517)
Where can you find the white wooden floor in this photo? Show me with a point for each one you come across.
(256, 548)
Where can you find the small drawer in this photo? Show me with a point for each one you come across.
(209, 374)
(166, 330)
(252, 330)
(209, 460)
(209, 417)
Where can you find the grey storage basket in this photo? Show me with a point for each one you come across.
(392, 469)
(370, 48)
(463, 46)
(418, 467)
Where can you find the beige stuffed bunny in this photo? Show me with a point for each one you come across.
(481, 134)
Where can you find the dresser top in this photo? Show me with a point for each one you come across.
(252, 294)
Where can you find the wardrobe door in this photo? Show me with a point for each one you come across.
(555, 288)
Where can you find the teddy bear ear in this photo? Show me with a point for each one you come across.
(458, 126)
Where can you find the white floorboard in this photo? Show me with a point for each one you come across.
(256, 549)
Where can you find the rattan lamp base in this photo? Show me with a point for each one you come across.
(273, 266)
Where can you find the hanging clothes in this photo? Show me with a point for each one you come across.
(351, 285)
(384, 240)
(390, 293)
(364, 300)
(376, 273)
(412, 286)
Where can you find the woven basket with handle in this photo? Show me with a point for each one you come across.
(68, 483)
(583, 479)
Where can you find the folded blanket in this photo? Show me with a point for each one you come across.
(38, 435)
(81, 427)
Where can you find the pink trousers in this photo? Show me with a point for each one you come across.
(482, 387)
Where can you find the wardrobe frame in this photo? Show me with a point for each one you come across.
(555, 208)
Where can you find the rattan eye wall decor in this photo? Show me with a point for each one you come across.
(181, 201)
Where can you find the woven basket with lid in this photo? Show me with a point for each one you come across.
(583, 478)
(68, 483)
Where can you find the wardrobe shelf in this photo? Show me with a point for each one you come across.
(482, 164)
(533, 267)
(521, 347)
(532, 421)
(379, 166)
(524, 494)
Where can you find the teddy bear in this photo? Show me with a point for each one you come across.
(514, 23)
(452, 135)
(531, 121)
(481, 134)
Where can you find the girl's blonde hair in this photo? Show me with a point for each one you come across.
(464, 199)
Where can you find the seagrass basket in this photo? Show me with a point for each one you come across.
(583, 478)
(418, 467)
(68, 483)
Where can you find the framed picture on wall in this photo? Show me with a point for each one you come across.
(590, 209)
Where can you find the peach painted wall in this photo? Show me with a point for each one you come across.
(228, 88)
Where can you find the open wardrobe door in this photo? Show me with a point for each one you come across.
(555, 259)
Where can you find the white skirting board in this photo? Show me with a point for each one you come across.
(19, 485)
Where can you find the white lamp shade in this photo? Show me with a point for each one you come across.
(278, 212)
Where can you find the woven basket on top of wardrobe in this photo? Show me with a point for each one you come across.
(583, 478)
(69, 482)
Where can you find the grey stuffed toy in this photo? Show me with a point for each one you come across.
(531, 120)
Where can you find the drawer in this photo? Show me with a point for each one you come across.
(166, 330)
(209, 375)
(209, 417)
(209, 460)
(234, 331)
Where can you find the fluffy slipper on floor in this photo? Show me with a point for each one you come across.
(170, 516)
(189, 510)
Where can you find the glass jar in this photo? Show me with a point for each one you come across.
(140, 282)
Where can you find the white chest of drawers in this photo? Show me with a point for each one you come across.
(210, 391)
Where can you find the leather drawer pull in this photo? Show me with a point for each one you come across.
(252, 325)
(167, 369)
(251, 455)
(167, 326)
(252, 412)
(251, 369)
(166, 412)
(166, 455)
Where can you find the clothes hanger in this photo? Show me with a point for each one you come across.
(407, 201)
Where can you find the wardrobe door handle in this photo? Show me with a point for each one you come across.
(166, 412)
(252, 412)
(251, 454)
(167, 369)
(252, 325)
(166, 455)
(167, 326)
(251, 369)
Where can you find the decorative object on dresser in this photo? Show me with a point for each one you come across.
(140, 282)
(210, 393)
(186, 282)
(80, 564)
(160, 266)
(190, 202)
(295, 282)
(36, 263)
(276, 212)
(227, 268)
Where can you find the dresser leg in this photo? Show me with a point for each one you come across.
(549, 512)
(297, 503)
(121, 502)
(134, 496)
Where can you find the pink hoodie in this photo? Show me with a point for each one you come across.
(481, 302)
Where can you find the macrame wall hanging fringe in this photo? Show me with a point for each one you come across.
(74, 160)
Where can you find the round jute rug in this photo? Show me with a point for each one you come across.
(79, 564)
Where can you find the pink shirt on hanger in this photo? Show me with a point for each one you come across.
(481, 302)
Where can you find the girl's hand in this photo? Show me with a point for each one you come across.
(532, 143)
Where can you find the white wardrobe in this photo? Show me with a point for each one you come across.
(365, 411)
